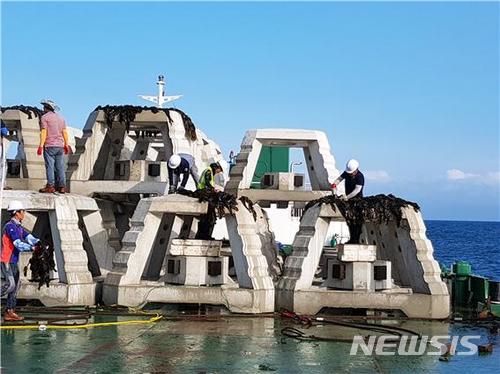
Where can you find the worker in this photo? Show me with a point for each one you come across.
(15, 239)
(181, 164)
(54, 144)
(354, 180)
(212, 178)
(4, 130)
(209, 182)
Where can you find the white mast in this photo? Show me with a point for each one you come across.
(161, 98)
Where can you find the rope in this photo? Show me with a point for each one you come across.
(301, 336)
(83, 326)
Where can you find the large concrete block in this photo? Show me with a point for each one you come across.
(353, 276)
(357, 252)
(141, 171)
(194, 247)
(197, 271)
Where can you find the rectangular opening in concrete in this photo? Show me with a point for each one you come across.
(380, 272)
(157, 255)
(173, 267)
(154, 170)
(92, 264)
(214, 268)
(338, 271)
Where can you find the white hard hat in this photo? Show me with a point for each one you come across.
(351, 166)
(15, 205)
(49, 103)
(174, 161)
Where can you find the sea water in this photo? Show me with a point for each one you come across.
(475, 242)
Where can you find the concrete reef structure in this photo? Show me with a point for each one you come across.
(159, 253)
(119, 239)
(418, 290)
(72, 224)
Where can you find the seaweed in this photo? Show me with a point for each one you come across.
(189, 127)
(248, 204)
(30, 111)
(126, 114)
(220, 203)
(358, 210)
(41, 264)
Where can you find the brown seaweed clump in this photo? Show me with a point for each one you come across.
(30, 111)
(358, 210)
(248, 204)
(219, 203)
(41, 264)
(126, 114)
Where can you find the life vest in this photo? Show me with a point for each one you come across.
(202, 183)
(7, 249)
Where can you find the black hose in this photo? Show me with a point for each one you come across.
(372, 327)
(296, 334)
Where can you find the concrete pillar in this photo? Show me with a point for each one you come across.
(71, 257)
(246, 246)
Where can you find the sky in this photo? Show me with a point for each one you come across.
(411, 90)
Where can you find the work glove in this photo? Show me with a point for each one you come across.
(22, 246)
(343, 197)
(67, 149)
(32, 240)
(39, 151)
(333, 186)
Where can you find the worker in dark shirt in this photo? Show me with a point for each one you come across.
(179, 165)
(354, 180)
(212, 178)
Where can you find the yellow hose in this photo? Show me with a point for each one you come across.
(88, 325)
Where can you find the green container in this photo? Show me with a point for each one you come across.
(462, 268)
(461, 291)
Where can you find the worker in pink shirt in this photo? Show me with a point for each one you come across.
(54, 145)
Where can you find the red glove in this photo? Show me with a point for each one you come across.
(333, 185)
(67, 148)
(39, 151)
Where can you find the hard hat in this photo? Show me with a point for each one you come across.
(351, 166)
(15, 205)
(174, 161)
(49, 103)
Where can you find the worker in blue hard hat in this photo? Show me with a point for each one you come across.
(354, 180)
(15, 239)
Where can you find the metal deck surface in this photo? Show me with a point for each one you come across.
(220, 345)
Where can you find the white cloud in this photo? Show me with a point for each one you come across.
(455, 174)
(377, 175)
(491, 178)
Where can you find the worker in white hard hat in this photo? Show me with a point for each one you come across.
(15, 239)
(354, 180)
(181, 164)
